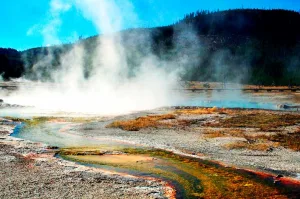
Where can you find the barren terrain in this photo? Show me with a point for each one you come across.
(257, 140)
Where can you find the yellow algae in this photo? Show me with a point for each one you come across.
(114, 159)
(197, 178)
(200, 111)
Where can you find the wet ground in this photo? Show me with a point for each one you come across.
(187, 167)
(183, 157)
(31, 170)
(191, 177)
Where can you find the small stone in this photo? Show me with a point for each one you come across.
(52, 147)
(279, 176)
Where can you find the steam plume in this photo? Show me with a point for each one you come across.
(109, 89)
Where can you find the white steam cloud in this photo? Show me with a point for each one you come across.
(108, 89)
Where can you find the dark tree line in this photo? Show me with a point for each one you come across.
(267, 40)
(11, 63)
(247, 45)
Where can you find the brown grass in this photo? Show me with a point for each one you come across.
(214, 133)
(200, 111)
(291, 141)
(264, 121)
(254, 146)
(265, 87)
(185, 123)
(236, 132)
(224, 133)
(142, 122)
(259, 142)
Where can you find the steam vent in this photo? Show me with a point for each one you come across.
(150, 99)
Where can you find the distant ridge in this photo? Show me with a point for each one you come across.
(262, 45)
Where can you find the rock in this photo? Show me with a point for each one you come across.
(52, 147)
(7, 158)
(279, 176)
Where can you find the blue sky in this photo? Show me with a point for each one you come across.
(18, 18)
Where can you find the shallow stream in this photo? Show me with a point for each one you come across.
(191, 177)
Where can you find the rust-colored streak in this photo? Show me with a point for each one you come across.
(201, 178)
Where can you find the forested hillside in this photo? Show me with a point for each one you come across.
(245, 45)
(11, 63)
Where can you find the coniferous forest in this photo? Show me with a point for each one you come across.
(250, 46)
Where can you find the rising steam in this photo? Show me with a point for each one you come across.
(108, 89)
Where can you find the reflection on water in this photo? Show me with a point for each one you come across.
(223, 99)
(192, 178)
(239, 100)
(29, 112)
(59, 134)
(144, 165)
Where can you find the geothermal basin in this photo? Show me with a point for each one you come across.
(199, 152)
